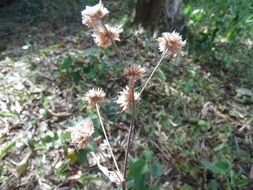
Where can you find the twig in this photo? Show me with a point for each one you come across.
(129, 135)
(129, 141)
(157, 65)
(106, 138)
(59, 114)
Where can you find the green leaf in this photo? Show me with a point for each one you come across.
(208, 165)
(198, 122)
(47, 139)
(82, 155)
(61, 170)
(7, 114)
(161, 75)
(4, 149)
(91, 51)
(31, 144)
(64, 136)
(130, 183)
(219, 147)
(153, 187)
(222, 166)
(213, 185)
(189, 86)
(197, 14)
(241, 180)
(148, 154)
(139, 182)
(138, 168)
(187, 9)
(86, 178)
(202, 123)
(187, 187)
(156, 170)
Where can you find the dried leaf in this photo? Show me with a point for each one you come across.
(23, 165)
(114, 176)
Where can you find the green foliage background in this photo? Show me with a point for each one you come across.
(219, 34)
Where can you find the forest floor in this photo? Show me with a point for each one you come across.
(193, 129)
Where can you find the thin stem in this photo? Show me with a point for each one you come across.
(129, 134)
(133, 118)
(114, 45)
(157, 65)
(106, 138)
(129, 142)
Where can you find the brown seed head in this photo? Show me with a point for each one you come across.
(171, 42)
(94, 96)
(81, 133)
(125, 98)
(92, 14)
(135, 72)
(103, 37)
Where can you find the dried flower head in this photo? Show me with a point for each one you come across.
(135, 72)
(125, 98)
(103, 36)
(93, 96)
(81, 133)
(92, 14)
(171, 42)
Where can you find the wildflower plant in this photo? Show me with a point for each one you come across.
(81, 133)
(92, 14)
(105, 36)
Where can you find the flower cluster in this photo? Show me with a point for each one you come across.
(81, 133)
(171, 42)
(104, 34)
(93, 96)
(92, 15)
(125, 98)
(135, 72)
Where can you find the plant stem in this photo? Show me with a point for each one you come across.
(114, 45)
(106, 138)
(129, 142)
(157, 65)
(129, 134)
(131, 84)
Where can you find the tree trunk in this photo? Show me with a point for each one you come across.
(160, 14)
(5, 2)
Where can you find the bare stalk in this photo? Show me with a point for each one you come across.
(129, 133)
(157, 65)
(114, 45)
(106, 138)
(129, 141)
(133, 118)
